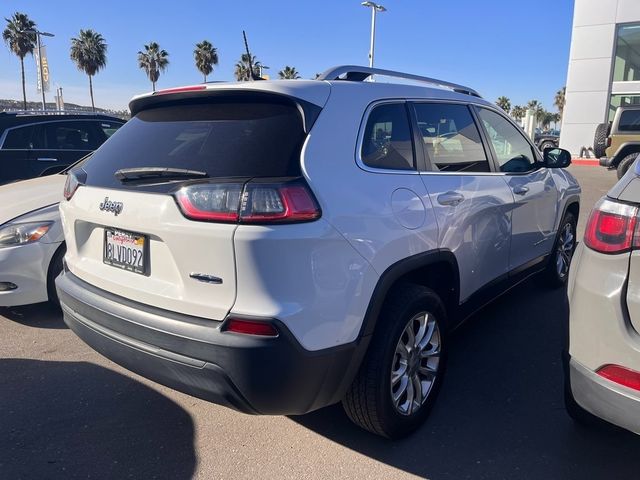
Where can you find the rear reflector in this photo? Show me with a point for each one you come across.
(250, 327)
(256, 202)
(70, 185)
(621, 375)
(612, 227)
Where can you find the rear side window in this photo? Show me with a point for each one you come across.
(629, 121)
(109, 128)
(451, 138)
(387, 140)
(227, 137)
(23, 138)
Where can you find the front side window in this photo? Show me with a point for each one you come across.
(71, 136)
(513, 153)
(451, 138)
(387, 140)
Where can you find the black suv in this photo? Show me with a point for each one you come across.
(33, 144)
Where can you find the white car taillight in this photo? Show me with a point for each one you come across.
(253, 202)
(612, 227)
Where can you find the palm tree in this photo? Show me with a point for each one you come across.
(243, 72)
(504, 103)
(206, 56)
(537, 108)
(559, 100)
(153, 61)
(289, 73)
(89, 52)
(518, 112)
(20, 42)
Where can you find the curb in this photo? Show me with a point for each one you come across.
(590, 162)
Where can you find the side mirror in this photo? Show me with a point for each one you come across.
(556, 158)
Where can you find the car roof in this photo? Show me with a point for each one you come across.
(14, 118)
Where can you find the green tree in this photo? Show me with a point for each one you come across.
(242, 70)
(504, 103)
(206, 56)
(289, 73)
(20, 42)
(538, 110)
(559, 100)
(153, 60)
(89, 53)
(518, 112)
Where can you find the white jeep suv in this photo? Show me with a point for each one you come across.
(280, 246)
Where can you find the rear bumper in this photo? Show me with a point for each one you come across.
(615, 404)
(249, 373)
(605, 161)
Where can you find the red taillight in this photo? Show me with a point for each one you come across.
(611, 227)
(278, 203)
(621, 375)
(250, 327)
(608, 142)
(255, 202)
(191, 88)
(70, 186)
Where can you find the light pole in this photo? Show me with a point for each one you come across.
(375, 8)
(40, 70)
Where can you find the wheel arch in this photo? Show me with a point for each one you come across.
(435, 269)
(625, 149)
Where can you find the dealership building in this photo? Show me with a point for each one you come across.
(604, 67)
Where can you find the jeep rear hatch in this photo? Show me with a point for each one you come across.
(158, 204)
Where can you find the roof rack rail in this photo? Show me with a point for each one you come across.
(355, 73)
(50, 112)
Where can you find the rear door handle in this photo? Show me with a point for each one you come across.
(520, 190)
(47, 159)
(450, 198)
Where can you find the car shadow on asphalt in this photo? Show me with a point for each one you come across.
(80, 420)
(500, 413)
(38, 315)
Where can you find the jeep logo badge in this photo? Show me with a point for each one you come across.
(109, 206)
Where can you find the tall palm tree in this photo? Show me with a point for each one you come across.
(242, 71)
(153, 60)
(89, 52)
(559, 100)
(518, 112)
(289, 73)
(537, 108)
(504, 103)
(20, 43)
(206, 56)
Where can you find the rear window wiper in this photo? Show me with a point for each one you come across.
(143, 173)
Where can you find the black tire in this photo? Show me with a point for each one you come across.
(368, 403)
(625, 163)
(600, 139)
(552, 275)
(547, 144)
(55, 268)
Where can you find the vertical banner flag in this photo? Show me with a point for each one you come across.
(45, 69)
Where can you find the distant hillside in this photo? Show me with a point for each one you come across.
(17, 105)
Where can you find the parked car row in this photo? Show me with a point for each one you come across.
(277, 247)
(38, 147)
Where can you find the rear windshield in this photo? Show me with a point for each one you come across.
(630, 121)
(224, 138)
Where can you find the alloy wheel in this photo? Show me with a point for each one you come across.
(564, 252)
(415, 363)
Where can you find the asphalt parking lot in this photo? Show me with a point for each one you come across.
(66, 412)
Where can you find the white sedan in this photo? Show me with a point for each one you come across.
(31, 240)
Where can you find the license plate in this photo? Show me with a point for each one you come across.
(126, 250)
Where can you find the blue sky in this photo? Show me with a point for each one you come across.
(517, 48)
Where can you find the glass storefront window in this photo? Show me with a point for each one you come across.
(622, 101)
(627, 60)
